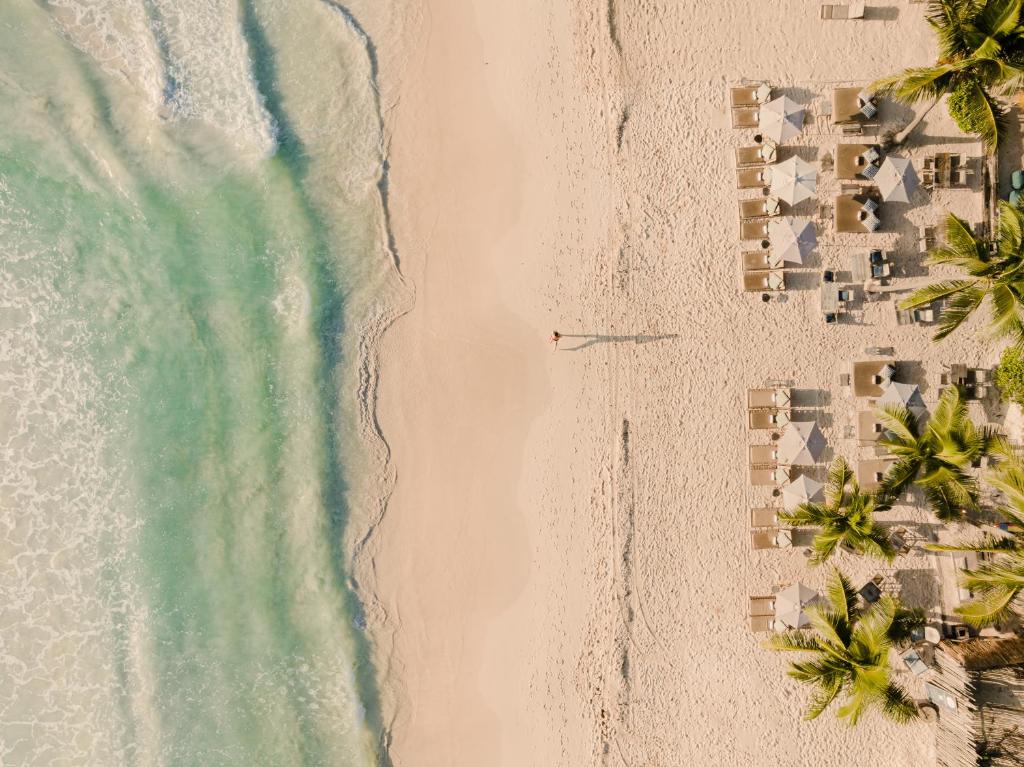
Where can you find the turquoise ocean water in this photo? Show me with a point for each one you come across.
(194, 262)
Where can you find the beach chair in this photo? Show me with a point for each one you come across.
(754, 230)
(753, 178)
(761, 624)
(764, 516)
(762, 606)
(764, 456)
(760, 260)
(745, 117)
(764, 539)
(750, 95)
(755, 155)
(769, 477)
(767, 419)
(755, 282)
(837, 12)
(769, 398)
(761, 207)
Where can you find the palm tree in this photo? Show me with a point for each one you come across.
(992, 270)
(937, 456)
(981, 56)
(846, 517)
(851, 649)
(999, 582)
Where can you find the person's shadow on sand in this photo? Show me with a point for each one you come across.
(598, 339)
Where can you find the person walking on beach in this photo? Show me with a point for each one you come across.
(555, 338)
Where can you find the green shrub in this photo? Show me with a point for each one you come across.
(1009, 375)
(959, 106)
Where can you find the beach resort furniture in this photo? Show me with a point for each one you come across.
(761, 606)
(896, 179)
(745, 117)
(853, 106)
(868, 428)
(761, 260)
(870, 591)
(760, 624)
(755, 155)
(781, 119)
(898, 539)
(830, 303)
(753, 178)
(776, 477)
(764, 516)
(925, 316)
(791, 605)
(750, 95)
(792, 238)
(760, 207)
(794, 180)
(871, 472)
(769, 398)
(801, 443)
(754, 282)
(774, 538)
(767, 419)
(858, 213)
(870, 377)
(754, 230)
(852, 160)
(763, 456)
(946, 169)
(913, 661)
(838, 12)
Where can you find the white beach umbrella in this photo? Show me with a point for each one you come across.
(790, 604)
(781, 119)
(792, 238)
(904, 395)
(794, 180)
(896, 179)
(802, 443)
(802, 490)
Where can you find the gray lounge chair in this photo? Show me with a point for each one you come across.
(769, 477)
(753, 178)
(745, 117)
(762, 606)
(764, 456)
(761, 624)
(764, 539)
(767, 419)
(757, 282)
(769, 398)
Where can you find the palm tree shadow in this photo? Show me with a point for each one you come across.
(599, 339)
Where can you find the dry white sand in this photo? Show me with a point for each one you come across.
(565, 564)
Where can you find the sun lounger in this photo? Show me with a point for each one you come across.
(764, 539)
(769, 477)
(745, 117)
(764, 281)
(833, 11)
(868, 427)
(769, 399)
(760, 207)
(750, 96)
(762, 606)
(869, 375)
(764, 516)
(767, 419)
(753, 178)
(760, 624)
(760, 260)
(870, 473)
(755, 155)
(753, 230)
(851, 215)
(764, 456)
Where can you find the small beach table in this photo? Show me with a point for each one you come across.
(829, 298)
(860, 266)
